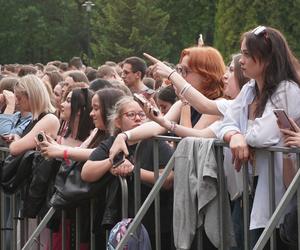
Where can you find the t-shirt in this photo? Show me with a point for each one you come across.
(146, 159)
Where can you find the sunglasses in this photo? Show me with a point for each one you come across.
(259, 30)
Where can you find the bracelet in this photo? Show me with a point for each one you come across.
(127, 134)
(66, 157)
(184, 89)
(171, 74)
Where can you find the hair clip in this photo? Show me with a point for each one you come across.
(259, 30)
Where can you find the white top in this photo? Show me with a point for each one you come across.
(222, 105)
(263, 133)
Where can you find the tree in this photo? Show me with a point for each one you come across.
(40, 31)
(127, 28)
(187, 20)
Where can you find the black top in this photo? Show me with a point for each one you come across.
(195, 116)
(146, 158)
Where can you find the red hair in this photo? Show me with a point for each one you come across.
(207, 62)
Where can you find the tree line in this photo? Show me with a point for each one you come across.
(43, 30)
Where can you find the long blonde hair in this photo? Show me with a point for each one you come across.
(39, 99)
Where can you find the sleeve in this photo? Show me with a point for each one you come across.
(7, 123)
(223, 104)
(102, 151)
(21, 126)
(231, 119)
(215, 127)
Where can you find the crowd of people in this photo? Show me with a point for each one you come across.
(89, 115)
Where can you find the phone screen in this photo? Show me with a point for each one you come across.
(118, 159)
(283, 119)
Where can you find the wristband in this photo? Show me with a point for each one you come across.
(127, 134)
(171, 74)
(66, 157)
(184, 89)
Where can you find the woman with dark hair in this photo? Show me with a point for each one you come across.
(166, 97)
(75, 113)
(250, 121)
(74, 76)
(102, 101)
(99, 84)
(52, 78)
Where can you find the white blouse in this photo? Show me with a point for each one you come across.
(263, 132)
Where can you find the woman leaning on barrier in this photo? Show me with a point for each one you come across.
(203, 69)
(250, 121)
(127, 115)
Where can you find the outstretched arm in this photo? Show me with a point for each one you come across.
(201, 103)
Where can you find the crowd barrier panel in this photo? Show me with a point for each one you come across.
(140, 210)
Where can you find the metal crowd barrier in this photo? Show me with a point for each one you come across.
(140, 210)
(276, 214)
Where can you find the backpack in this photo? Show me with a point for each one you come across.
(137, 241)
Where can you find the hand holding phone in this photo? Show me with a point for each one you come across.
(283, 119)
(41, 136)
(143, 101)
(118, 159)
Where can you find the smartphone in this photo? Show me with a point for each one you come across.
(118, 159)
(41, 136)
(283, 119)
(142, 101)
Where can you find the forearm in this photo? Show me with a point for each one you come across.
(200, 102)
(94, 170)
(145, 131)
(75, 153)
(148, 177)
(183, 131)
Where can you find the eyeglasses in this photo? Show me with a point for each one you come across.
(259, 30)
(182, 70)
(132, 115)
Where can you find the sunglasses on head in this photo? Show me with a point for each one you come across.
(259, 30)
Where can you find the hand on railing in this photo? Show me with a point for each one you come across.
(239, 149)
(124, 169)
(118, 146)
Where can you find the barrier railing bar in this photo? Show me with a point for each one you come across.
(51, 240)
(157, 199)
(246, 213)
(140, 214)
(39, 229)
(271, 173)
(77, 234)
(2, 222)
(137, 183)
(298, 198)
(221, 185)
(92, 235)
(124, 189)
(63, 229)
(14, 216)
(288, 195)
